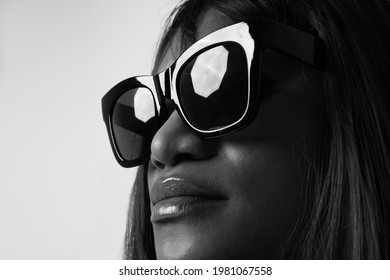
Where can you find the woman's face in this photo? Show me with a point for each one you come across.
(239, 196)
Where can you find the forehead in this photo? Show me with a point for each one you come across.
(208, 21)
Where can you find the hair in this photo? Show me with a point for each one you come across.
(349, 210)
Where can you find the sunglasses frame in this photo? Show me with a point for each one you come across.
(254, 36)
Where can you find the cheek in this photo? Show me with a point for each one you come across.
(265, 189)
(267, 172)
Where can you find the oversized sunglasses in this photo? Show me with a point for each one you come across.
(214, 85)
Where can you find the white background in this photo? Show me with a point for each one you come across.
(62, 195)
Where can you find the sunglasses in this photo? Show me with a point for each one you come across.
(215, 86)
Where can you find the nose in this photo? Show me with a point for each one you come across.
(175, 142)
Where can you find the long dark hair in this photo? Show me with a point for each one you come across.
(349, 210)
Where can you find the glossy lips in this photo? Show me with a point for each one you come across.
(176, 197)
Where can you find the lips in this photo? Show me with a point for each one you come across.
(175, 197)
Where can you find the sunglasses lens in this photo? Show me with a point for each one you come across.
(133, 123)
(214, 87)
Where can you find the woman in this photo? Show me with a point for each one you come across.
(266, 139)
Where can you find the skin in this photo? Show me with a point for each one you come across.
(261, 170)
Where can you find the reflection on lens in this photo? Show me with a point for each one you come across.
(133, 122)
(143, 105)
(214, 87)
(208, 71)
